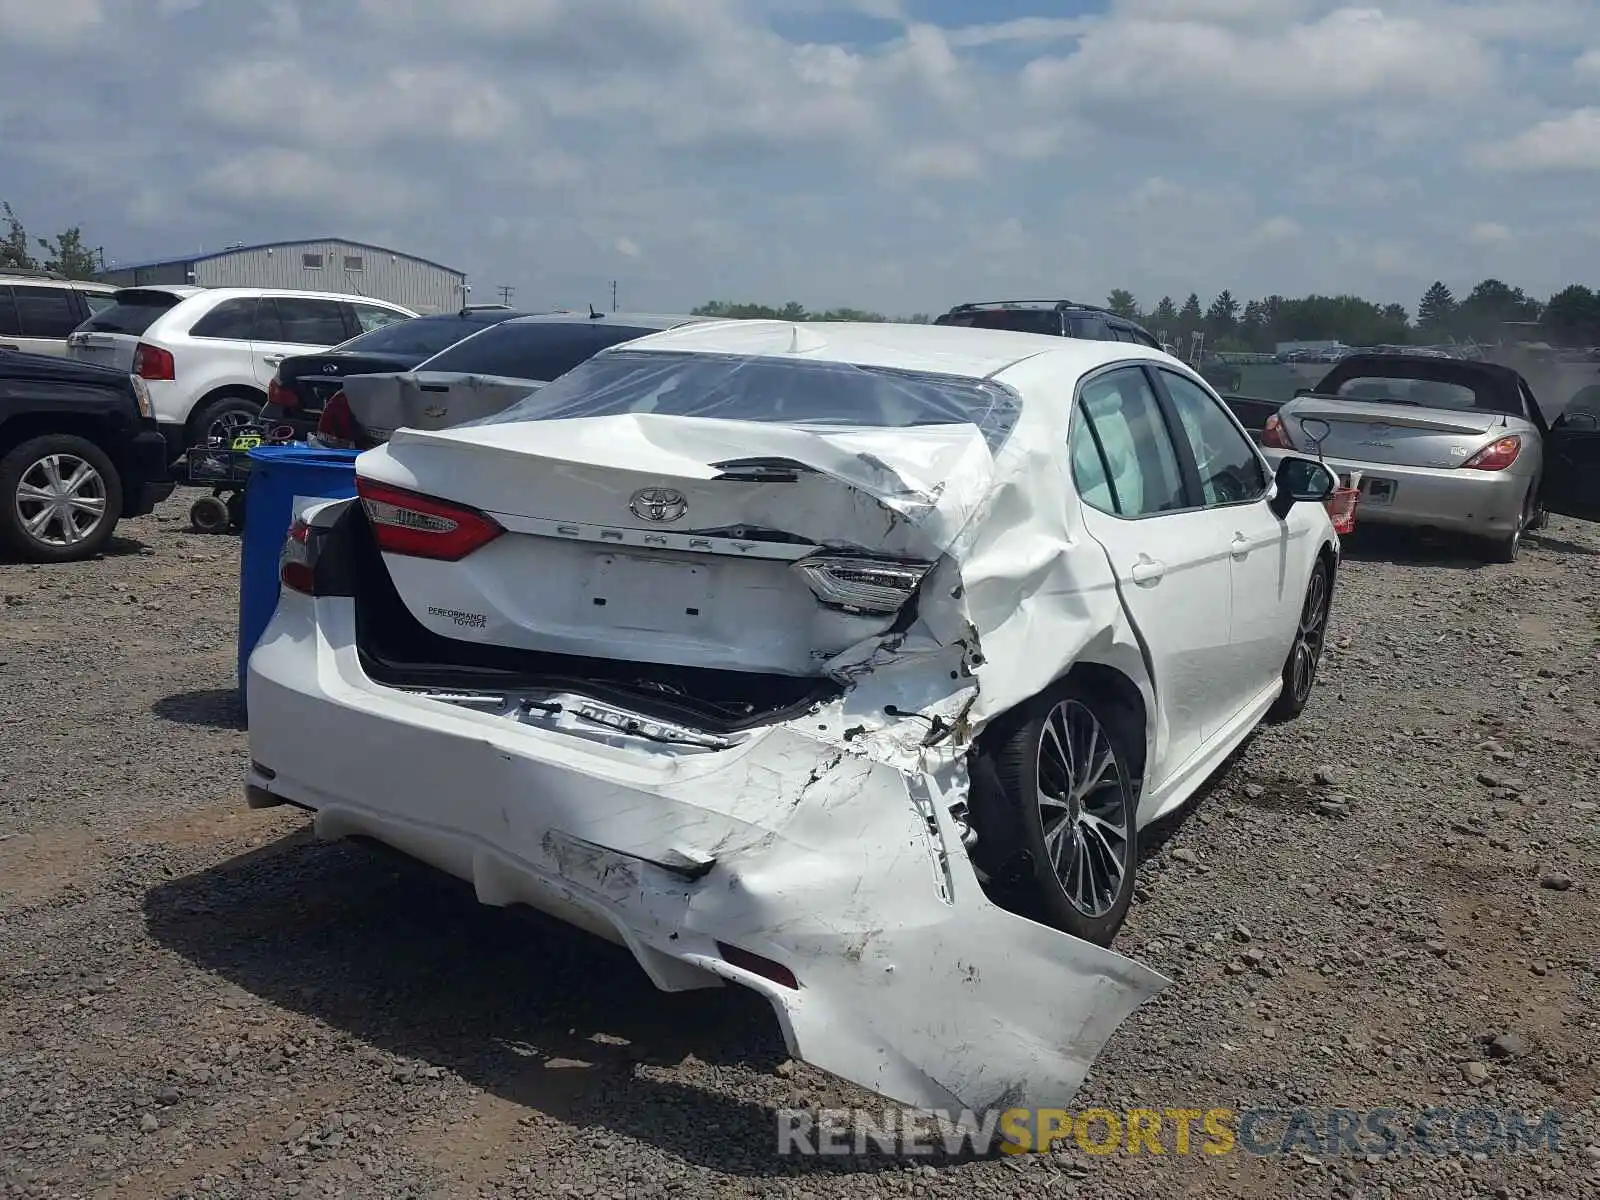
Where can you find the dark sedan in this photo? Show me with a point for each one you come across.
(305, 382)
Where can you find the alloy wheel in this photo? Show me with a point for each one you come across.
(1309, 636)
(1082, 808)
(61, 500)
(227, 424)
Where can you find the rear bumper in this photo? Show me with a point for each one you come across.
(146, 480)
(846, 871)
(1480, 503)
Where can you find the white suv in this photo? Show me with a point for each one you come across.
(208, 354)
(39, 309)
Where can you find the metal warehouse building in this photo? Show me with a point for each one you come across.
(318, 265)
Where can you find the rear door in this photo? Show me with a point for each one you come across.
(46, 315)
(1572, 458)
(1167, 550)
(1268, 557)
(287, 325)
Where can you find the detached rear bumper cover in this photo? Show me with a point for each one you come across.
(841, 867)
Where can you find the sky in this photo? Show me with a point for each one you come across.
(896, 155)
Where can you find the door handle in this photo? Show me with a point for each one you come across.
(1240, 546)
(1147, 572)
(272, 360)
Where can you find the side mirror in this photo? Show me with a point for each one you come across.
(1301, 481)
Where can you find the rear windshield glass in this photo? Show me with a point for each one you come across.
(130, 312)
(538, 350)
(423, 336)
(780, 391)
(1424, 393)
(1023, 320)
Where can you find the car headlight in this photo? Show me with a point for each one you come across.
(141, 396)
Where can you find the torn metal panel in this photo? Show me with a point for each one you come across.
(842, 869)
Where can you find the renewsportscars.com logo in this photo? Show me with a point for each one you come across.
(1263, 1132)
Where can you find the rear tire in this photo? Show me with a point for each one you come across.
(1061, 828)
(69, 484)
(1506, 549)
(208, 514)
(222, 416)
(1305, 654)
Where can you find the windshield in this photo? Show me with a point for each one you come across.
(779, 391)
(1422, 393)
(130, 313)
(536, 350)
(420, 336)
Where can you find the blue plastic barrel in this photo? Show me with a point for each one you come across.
(283, 480)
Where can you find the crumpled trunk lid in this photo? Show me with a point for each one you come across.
(429, 400)
(675, 539)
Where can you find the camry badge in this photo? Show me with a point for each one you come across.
(658, 505)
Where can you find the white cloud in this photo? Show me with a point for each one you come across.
(1566, 143)
(840, 152)
(48, 23)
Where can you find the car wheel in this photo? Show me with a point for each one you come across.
(1505, 549)
(223, 418)
(60, 498)
(209, 514)
(1305, 654)
(1068, 801)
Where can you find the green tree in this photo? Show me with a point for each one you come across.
(1166, 314)
(1572, 316)
(14, 244)
(1190, 318)
(1436, 310)
(1489, 306)
(67, 255)
(1223, 315)
(1122, 302)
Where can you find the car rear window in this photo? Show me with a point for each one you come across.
(130, 312)
(1022, 320)
(422, 336)
(1423, 393)
(540, 350)
(778, 391)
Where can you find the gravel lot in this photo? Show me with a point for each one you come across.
(196, 1000)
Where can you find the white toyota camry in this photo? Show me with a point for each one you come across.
(841, 661)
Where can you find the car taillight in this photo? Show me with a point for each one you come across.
(1496, 456)
(281, 396)
(152, 362)
(337, 425)
(862, 585)
(1274, 434)
(418, 526)
(297, 568)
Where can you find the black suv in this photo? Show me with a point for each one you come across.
(1059, 318)
(79, 449)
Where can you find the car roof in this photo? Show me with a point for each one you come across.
(940, 349)
(172, 289)
(639, 320)
(1426, 366)
(235, 293)
(1037, 305)
(44, 279)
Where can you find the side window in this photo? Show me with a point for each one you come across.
(1144, 339)
(1122, 333)
(371, 316)
(45, 312)
(97, 302)
(8, 315)
(1230, 468)
(310, 322)
(232, 320)
(1123, 460)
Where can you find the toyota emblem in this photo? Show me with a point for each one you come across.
(330, 369)
(658, 505)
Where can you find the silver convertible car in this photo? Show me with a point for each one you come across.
(1445, 444)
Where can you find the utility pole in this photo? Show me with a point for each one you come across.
(506, 292)
(613, 295)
